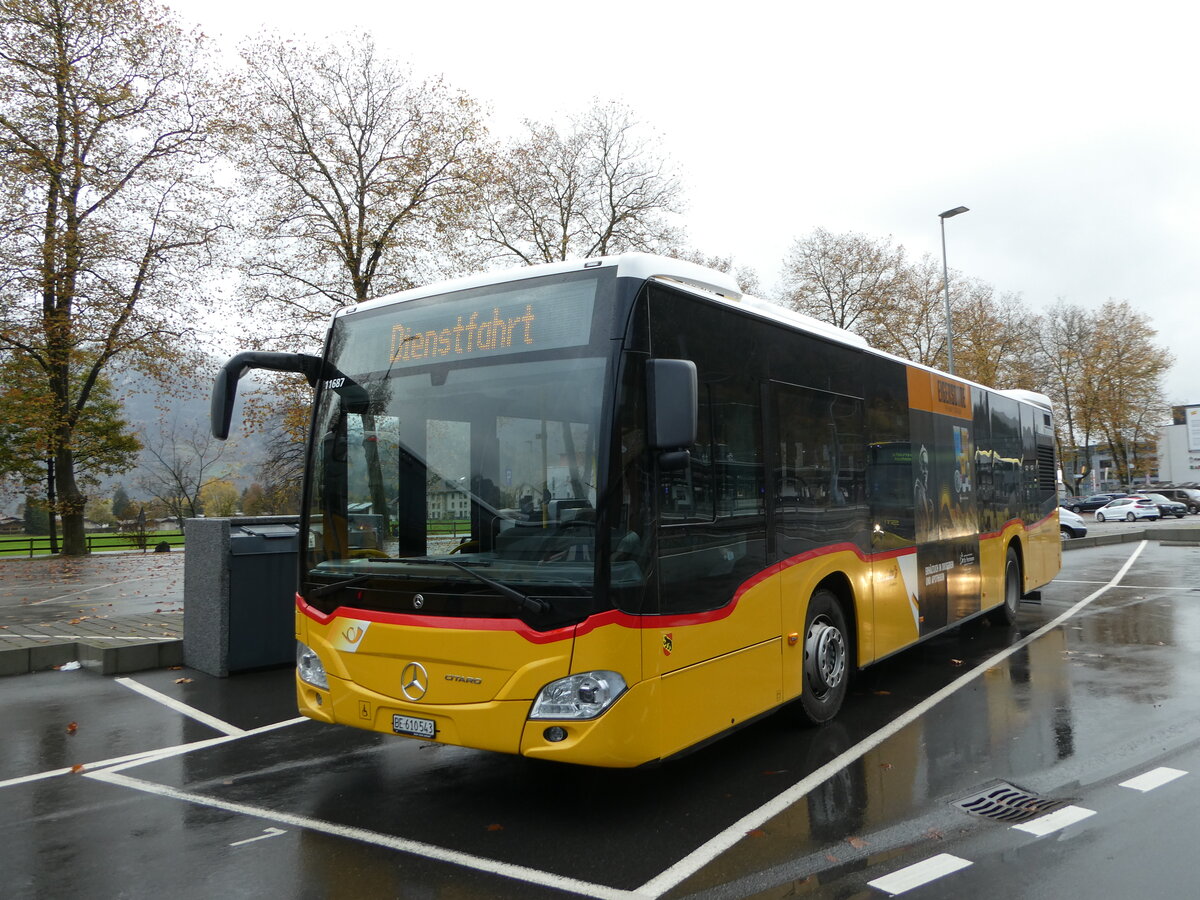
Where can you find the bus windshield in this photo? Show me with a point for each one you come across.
(467, 480)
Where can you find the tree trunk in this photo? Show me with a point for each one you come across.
(70, 504)
(50, 505)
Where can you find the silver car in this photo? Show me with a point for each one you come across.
(1128, 508)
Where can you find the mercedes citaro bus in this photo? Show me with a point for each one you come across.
(675, 510)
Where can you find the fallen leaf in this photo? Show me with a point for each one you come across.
(495, 828)
(183, 681)
(72, 727)
(756, 832)
(956, 662)
(856, 842)
(77, 768)
(885, 766)
(934, 834)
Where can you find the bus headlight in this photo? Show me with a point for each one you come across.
(310, 667)
(582, 696)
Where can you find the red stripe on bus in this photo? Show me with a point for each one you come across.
(599, 620)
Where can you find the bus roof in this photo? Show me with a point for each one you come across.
(713, 283)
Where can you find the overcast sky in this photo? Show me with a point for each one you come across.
(1069, 129)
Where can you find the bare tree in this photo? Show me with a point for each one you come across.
(849, 280)
(746, 276)
(1065, 359)
(358, 177)
(598, 188)
(177, 465)
(106, 209)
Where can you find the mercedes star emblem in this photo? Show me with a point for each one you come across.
(414, 681)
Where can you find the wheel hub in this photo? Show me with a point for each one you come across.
(824, 656)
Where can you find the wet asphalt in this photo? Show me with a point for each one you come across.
(172, 782)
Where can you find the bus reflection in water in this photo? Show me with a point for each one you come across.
(683, 509)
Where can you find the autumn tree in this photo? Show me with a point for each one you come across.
(1126, 382)
(106, 206)
(104, 445)
(995, 337)
(598, 186)
(912, 322)
(219, 498)
(357, 176)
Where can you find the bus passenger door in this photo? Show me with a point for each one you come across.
(716, 644)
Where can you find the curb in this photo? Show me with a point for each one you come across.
(1174, 537)
(101, 660)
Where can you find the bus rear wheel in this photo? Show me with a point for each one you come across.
(826, 658)
(1006, 613)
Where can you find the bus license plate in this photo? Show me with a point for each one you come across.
(411, 725)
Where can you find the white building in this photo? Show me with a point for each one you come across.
(1179, 447)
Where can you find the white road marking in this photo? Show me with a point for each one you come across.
(1152, 779)
(84, 638)
(1130, 587)
(919, 873)
(132, 760)
(426, 851)
(190, 711)
(1055, 821)
(267, 833)
(89, 590)
(724, 840)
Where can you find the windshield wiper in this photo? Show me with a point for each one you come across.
(338, 585)
(523, 601)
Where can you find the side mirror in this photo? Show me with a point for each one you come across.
(673, 390)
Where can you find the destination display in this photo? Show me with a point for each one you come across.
(523, 318)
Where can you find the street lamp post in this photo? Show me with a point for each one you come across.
(950, 213)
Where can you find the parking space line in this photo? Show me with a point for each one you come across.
(416, 848)
(919, 874)
(190, 711)
(733, 834)
(141, 758)
(180, 749)
(1148, 781)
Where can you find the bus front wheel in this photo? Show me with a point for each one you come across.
(826, 658)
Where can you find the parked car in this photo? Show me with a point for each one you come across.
(1070, 525)
(1189, 497)
(1129, 509)
(1089, 504)
(1166, 506)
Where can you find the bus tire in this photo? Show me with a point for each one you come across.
(826, 672)
(1006, 612)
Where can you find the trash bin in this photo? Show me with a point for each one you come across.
(239, 595)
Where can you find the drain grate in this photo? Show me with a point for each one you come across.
(1004, 803)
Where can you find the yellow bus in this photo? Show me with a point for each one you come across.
(687, 508)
